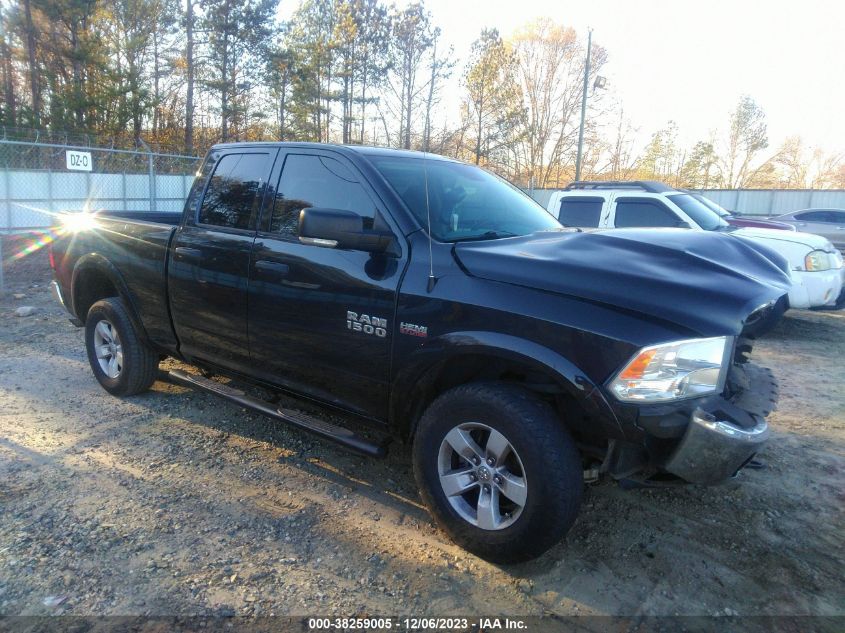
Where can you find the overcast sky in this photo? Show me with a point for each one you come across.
(690, 61)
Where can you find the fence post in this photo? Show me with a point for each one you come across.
(152, 183)
(6, 183)
(50, 191)
(152, 173)
(89, 195)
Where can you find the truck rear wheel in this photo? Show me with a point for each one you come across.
(122, 363)
(498, 471)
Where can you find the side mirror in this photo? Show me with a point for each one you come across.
(336, 228)
(680, 224)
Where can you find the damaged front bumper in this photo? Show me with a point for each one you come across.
(703, 441)
(712, 450)
(723, 434)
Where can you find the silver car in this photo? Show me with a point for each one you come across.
(829, 223)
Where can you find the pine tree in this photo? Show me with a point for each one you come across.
(239, 31)
(412, 36)
(492, 95)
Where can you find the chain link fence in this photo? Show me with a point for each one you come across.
(39, 180)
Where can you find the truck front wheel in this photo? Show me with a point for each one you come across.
(498, 470)
(122, 363)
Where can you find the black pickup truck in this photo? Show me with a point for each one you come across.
(439, 305)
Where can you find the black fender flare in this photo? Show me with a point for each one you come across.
(94, 262)
(416, 373)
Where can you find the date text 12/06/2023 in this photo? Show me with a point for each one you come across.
(417, 624)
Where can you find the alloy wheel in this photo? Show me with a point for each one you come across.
(108, 349)
(482, 476)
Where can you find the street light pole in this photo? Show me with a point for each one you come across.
(583, 106)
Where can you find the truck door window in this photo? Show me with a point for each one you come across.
(234, 192)
(581, 211)
(307, 181)
(198, 186)
(634, 212)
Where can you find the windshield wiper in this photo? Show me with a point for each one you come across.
(489, 235)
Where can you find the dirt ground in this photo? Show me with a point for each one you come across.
(174, 502)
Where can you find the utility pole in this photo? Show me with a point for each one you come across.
(583, 106)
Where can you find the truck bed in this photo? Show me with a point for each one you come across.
(136, 246)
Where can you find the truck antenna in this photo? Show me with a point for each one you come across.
(431, 278)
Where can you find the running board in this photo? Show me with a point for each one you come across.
(300, 420)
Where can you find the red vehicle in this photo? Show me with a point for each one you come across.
(737, 220)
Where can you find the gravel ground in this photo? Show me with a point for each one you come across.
(174, 502)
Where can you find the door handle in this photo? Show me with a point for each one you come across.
(187, 254)
(266, 266)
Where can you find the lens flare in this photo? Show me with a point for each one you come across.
(76, 222)
(36, 243)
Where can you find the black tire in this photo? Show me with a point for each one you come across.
(547, 455)
(139, 362)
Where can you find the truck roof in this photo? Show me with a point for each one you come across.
(366, 150)
(651, 186)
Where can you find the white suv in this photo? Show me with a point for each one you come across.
(816, 266)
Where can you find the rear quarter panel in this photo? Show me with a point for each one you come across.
(133, 255)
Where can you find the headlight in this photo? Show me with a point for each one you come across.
(818, 261)
(674, 371)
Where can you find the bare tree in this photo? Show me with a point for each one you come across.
(9, 111)
(493, 99)
(34, 85)
(189, 90)
(622, 160)
(440, 69)
(411, 38)
(550, 69)
(747, 138)
(796, 166)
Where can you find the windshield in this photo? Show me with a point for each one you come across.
(702, 215)
(711, 205)
(465, 202)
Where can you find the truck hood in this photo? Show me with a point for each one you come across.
(705, 282)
